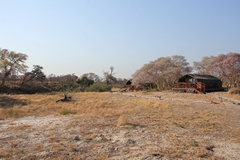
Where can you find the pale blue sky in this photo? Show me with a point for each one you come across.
(82, 36)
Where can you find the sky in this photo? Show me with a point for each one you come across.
(83, 36)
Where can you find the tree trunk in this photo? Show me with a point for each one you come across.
(25, 79)
(4, 78)
(3, 81)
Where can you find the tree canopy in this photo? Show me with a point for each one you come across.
(85, 82)
(36, 73)
(12, 63)
(92, 76)
(224, 66)
(163, 71)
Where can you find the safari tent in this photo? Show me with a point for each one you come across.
(198, 83)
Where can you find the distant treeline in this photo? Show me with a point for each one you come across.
(162, 72)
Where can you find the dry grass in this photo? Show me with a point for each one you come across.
(128, 125)
(122, 121)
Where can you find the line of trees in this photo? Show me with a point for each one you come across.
(13, 69)
(224, 66)
(13, 64)
(165, 71)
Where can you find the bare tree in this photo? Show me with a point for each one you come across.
(109, 76)
(12, 62)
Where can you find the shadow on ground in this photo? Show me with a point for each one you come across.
(6, 102)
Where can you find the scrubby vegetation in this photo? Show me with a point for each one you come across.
(161, 73)
(99, 87)
(66, 111)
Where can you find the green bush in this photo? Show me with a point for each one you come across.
(67, 87)
(59, 88)
(84, 81)
(99, 87)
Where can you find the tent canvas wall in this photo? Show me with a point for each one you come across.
(211, 83)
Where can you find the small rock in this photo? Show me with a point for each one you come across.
(156, 155)
(210, 148)
(77, 138)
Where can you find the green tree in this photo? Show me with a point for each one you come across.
(92, 76)
(36, 73)
(12, 63)
(84, 82)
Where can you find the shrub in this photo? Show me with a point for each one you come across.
(84, 81)
(99, 87)
(71, 87)
(59, 88)
(10, 112)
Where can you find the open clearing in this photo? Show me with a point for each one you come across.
(134, 125)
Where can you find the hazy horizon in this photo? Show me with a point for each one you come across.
(82, 36)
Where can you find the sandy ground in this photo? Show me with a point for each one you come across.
(146, 138)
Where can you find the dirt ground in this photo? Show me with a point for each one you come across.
(133, 125)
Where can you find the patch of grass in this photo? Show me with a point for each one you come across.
(203, 153)
(7, 153)
(72, 148)
(193, 143)
(98, 87)
(88, 139)
(67, 111)
(101, 156)
(10, 112)
(52, 138)
(122, 121)
(57, 147)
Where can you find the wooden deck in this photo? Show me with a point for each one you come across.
(190, 87)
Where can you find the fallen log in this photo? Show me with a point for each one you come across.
(65, 99)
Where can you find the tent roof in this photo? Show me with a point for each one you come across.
(199, 76)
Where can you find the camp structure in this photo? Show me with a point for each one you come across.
(129, 82)
(198, 83)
